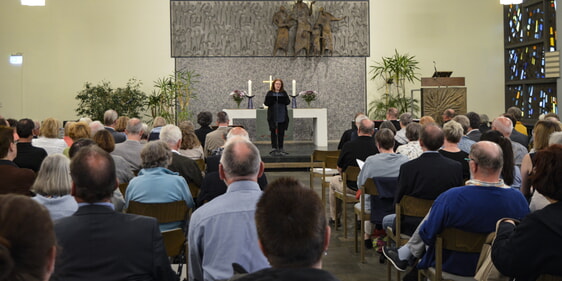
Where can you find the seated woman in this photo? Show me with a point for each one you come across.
(49, 137)
(528, 249)
(105, 141)
(157, 125)
(511, 177)
(453, 133)
(53, 185)
(156, 184)
(76, 131)
(27, 250)
(190, 145)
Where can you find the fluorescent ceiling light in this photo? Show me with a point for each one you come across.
(506, 2)
(16, 59)
(33, 2)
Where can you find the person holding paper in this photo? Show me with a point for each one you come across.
(277, 100)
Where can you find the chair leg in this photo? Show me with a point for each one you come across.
(362, 239)
(344, 215)
(355, 232)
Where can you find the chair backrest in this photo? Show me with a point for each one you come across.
(331, 162)
(174, 241)
(351, 173)
(369, 187)
(413, 207)
(320, 155)
(454, 239)
(163, 212)
(201, 164)
(123, 187)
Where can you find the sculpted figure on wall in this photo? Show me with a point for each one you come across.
(324, 21)
(284, 22)
(302, 13)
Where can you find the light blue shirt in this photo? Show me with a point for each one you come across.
(58, 207)
(223, 231)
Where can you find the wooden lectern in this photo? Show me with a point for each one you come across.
(440, 93)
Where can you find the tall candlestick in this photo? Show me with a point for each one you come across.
(294, 88)
(250, 88)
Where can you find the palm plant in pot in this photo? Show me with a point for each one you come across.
(395, 71)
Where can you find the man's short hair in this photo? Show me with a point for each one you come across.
(473, 120)
(367, 126)
(79, 144)
(109, 117)
(392, 112)
(503, 125)
(453, 131)
(204, 118)
(134, 126)
(413, 131)
(6, 138)
(222, 117)
(291, 224)
(385, 138)
(95, 127)
(516, 112)
(432, 137)
(406, 118)
(463, 121)
(240, 158)
(491, 160)
(387, 124)
(93, 173)
(156, 154)
(449, 112)
(25, 128)
(170, 134)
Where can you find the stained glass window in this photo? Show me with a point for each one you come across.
(530, 32)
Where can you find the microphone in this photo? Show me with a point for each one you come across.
(435, 66)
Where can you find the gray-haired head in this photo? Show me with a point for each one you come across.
(488, 155)
(240, 159)
(406, 118)
(170, 134)
(134, 126)
(109, 117)
(156, 154)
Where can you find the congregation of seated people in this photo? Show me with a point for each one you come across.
(482, 174)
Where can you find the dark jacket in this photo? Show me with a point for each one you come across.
(273, 103)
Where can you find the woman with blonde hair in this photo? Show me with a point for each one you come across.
(157, 125)
(121, 124)
(53, 185)
(49, 137)
(190, 145)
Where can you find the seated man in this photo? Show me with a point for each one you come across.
(130, 149)
(383, 164)
(98, 243)
(475, 207)
(14, 179)
(28, 156)
(293, 233)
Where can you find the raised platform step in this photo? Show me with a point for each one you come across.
(298, 157)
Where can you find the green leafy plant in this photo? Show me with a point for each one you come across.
(395, 71)
(94, 100)
(172, 96)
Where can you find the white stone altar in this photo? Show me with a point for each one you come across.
(319, 118)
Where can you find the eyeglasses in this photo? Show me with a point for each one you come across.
(470, 159)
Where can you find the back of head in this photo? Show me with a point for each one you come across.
(159, 121)
(385, 138)
(104, 139)
(542, 131)
(484, 119)
(6, 138)
(189, 140)
(25, 127)
(222, 117)
(507, 152)
(388, 125)
(237, 132)
(552, 115)
(515, 112)
(53, 179)
(546, 177)
(406, 118)
(488, 155)
(170, 134)
(426, 120)
(79, 144)
(79, 130)
(449, 113)
(121, 123)
(453, 131)
(367, 127)
(156, 154)
(50, 128)
(186, 126)
(291, 224)
(204, 118)
(503, 125)
(95, 127)
(109, 117)
(463, 121)
(510, 117)
(358, 118)
(93, 173)
(392, 113)
(431, 137)
(134, 126)
(413, 131)
(240, 158)
(25, 248)
(473, 120)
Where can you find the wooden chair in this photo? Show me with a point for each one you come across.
(351, 173)
(408, 206)
(174, 240)
(331, 164)
(202, 165)
(453, 239)
(123, 188)
(387, 187)
(318, 167)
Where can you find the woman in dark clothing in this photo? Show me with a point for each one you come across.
(532, 248)
(277, 116)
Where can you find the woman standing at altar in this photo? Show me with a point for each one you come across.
(276, 101)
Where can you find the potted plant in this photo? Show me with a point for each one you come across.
(172, 96)
(395, 71)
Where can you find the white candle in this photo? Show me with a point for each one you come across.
(249, 88)
(294, 88)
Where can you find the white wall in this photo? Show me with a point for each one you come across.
(69, 42)
(463, 36)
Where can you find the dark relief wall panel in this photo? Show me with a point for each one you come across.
(245, 28)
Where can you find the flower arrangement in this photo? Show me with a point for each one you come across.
(238, 96)
(308, 96)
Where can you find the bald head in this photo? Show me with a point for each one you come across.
(448, 114)
(237, 132)
(366, 128)
(487, 161)
(240, 160)
(503, 125)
